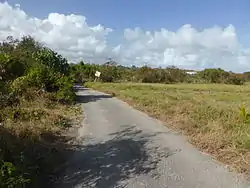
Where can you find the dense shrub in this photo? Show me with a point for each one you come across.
(10, 68)
(83, 72)
(109, 73)
(236, 80)
(65, 93)
(52, 60)
(43, 78)
(214, 75)
(10, 176)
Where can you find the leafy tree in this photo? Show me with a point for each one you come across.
(52, 60)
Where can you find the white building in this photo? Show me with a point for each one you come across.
(191, 72)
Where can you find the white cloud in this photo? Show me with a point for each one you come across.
(187, 48)
(74, 38)
(68, 34)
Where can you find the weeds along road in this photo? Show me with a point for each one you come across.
(122, 147)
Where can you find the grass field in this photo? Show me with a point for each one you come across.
(208, 114)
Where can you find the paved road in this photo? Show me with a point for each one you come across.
(122, 147)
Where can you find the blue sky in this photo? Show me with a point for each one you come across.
(152, 15)
(147, 14)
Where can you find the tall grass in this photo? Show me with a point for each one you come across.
(209, 114)
(31, 141)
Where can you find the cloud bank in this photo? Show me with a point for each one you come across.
(187, 47)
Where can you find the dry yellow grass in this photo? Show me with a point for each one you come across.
(207, 113)
(37, 117)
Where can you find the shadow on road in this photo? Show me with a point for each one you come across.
(88, 97)
(79, 88)
(111, 163)
(91, 98)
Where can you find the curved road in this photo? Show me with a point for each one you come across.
(122, 147)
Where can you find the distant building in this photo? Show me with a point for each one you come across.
(191, 72)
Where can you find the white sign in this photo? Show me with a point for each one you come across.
(97, 74)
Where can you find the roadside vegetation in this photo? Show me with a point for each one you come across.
(112, 72)
(36, 97)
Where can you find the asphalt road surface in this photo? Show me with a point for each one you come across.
(124, 148)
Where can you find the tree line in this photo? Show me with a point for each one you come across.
(112, 72)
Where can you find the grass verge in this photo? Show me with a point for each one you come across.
(33, 140)
(208, 114)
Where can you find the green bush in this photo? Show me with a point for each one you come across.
(19, 85)
(65, 92)
(7, 99)
(214, 75)
(10, 177)
(235, 80)
(52, 60)
(10, 68)
(109, 73)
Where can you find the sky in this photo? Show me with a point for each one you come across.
(192, 34)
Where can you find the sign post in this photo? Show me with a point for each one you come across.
(97, 75)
